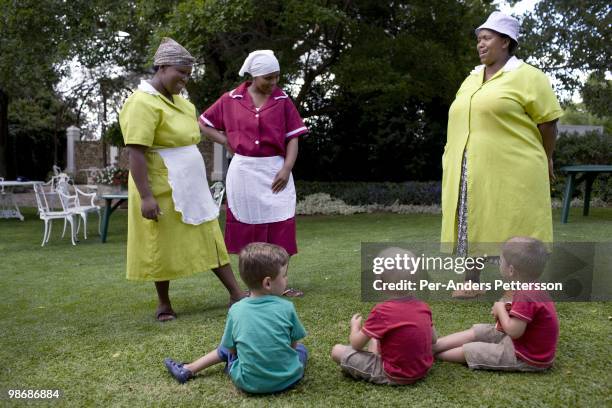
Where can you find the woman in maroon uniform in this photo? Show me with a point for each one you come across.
(258, 123)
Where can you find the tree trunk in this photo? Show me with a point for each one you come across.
(3, 133)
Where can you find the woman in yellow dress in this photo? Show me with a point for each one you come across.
(173, 230)
(498, 157)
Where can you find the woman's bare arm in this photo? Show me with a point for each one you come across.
(138, 170)
(548, 130)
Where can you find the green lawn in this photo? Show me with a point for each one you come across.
(71, 321)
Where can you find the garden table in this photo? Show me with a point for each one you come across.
(590, 172)
(8, 205)
(110, 207)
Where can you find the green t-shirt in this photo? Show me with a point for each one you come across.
(261, 330)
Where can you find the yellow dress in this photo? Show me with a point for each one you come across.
(166, 249)
(507, 169)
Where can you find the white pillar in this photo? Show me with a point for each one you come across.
(114, 155)
(218, 173)
(73, 134)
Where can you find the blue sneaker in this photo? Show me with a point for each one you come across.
(178, 371)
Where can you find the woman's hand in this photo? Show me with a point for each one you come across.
(149, 208)
(280, 180)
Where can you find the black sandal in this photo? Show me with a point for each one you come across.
(165, 312)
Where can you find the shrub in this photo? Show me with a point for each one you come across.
(364, 193)
(590, 148)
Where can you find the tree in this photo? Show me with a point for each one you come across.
(371, 77)
(394, 87)
(40, 38)
(597, 95)
(566, 38)
(30, 47)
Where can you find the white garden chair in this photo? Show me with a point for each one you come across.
(79, 203)
(217, 190)
(48, 215)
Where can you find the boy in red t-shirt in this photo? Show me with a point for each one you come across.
(526, 336)
(400, 333)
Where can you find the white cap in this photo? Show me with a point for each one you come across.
(503, 24)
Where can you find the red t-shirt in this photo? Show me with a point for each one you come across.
(404, 329)
(253, 132)
(537, 346)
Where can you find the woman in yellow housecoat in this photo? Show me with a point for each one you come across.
(173, 230)
(498, 156)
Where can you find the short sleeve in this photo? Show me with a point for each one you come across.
(297, 329)
(523, 309)
(227, 340)
(294, 125)
(213, 116)
(375, 326)
(541, 103)
(138, 121)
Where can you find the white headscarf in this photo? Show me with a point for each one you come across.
(260, 62)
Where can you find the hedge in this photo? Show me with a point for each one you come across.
(363, 193)
(571, 149)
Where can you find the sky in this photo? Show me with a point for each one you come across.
(519, 9)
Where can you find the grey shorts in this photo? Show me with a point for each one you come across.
(364, 365)
(493, 350)
(367, 366)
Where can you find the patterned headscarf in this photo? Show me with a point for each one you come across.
(172, 53)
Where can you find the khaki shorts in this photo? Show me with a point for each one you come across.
(493, 350)
(364, 365)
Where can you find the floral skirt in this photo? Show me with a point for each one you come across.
(462, 227)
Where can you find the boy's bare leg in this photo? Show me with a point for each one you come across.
(200, 364)
(338, 351)
(453, 341)
(455, 355)
(374, 346)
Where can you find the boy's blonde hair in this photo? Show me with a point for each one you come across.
(395, 275)
(258, 260)
(527, 255)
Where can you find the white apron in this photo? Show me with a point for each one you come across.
(249, 190)
(190, 190)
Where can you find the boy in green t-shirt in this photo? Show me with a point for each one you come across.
(260, 342)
